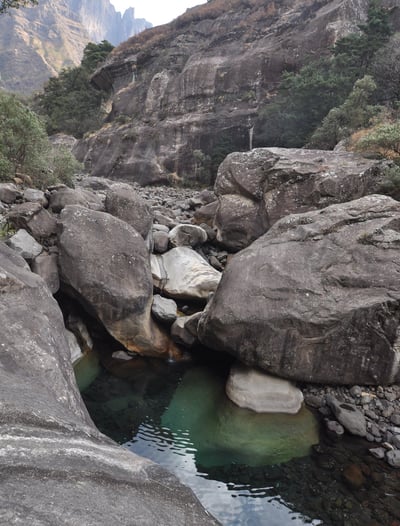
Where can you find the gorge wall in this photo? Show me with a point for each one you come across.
(187, 93)
(37, 42)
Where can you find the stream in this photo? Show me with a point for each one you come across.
(246, 468)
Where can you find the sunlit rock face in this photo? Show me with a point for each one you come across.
(187, 93)
(37, 42)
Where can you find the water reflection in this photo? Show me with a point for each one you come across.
(231, 503)
(201, 429)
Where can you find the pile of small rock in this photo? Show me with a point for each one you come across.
(370, 412)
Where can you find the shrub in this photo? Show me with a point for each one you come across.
(26, 150)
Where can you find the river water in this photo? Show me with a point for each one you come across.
(246, 469)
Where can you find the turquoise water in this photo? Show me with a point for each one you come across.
(182, 419)
(246, 469)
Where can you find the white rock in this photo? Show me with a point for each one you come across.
(183, 274)
(261, 392)
(25, 244)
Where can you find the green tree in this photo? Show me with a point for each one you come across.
(305, 97)
(25, 148)
(355, 113)
(69, 102)
(384, 139)
(5, 5)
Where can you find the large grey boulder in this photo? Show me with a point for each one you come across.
(316, 298)
(103, 261)
(57, 468)
(124, 202)
(257, 188)
(182, 273)
(261, 392)
(64, 196)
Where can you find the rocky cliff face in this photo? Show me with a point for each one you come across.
(37, 42)
(187, 93)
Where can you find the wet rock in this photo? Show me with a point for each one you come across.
(124, 202)
(187, 236)
(24, 244)
(181, 273)
(164, 309)
(393, 458)
(261, 392)
(45, 265)
(113, 279)
(395, 419)
(335, 428)
(354, 477)
(121, 355)
(349, 416)
(378, 452)
(305, 301)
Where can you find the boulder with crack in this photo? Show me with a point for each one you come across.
(317, 298)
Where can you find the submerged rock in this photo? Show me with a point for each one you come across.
(222, 433)
(316, 299)
(57, 467)
(261, 392)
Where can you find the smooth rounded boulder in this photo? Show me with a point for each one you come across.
(124, 202)
(317, 298)
(57, 468)
(111, 278)
(260, 392)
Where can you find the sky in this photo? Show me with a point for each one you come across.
(156, 11)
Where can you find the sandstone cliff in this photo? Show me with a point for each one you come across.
(187, 93)
(37, 42)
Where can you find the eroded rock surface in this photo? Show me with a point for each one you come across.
(317, 297)
(56, 467)
(257, 188)
(193, 88)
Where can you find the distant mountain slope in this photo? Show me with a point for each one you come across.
(36, 42)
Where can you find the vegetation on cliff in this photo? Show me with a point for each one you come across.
(69, 103)
(306, 97)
